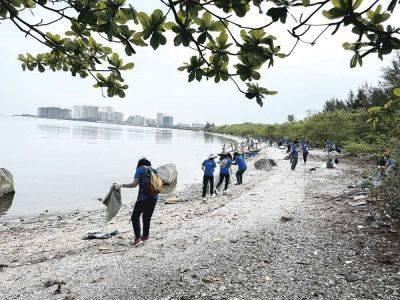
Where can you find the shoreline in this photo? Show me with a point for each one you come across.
(321, 248)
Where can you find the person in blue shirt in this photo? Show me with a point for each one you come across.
(304, 149)
(208, 167)
(225, 170)
(294, 155)
(145, 204)
(242, 167)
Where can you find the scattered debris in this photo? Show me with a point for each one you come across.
(97, 280)
(211, 279)
(358, 203)
(359, 197)
(100, 235)
(350, 277)
(58, 290)
(386, 258)
(173, 200)
(286, 218)
(52, 282)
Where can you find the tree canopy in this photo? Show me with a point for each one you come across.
(226, 38)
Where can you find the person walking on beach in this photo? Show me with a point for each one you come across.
(145, 203)
(242, 167)
(208, 167)
(294, 155)
(304, 149)
(225, 170)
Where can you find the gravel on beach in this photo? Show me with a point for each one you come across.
(281, 235)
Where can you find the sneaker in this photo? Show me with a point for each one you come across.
(137, 242)
(145, 238)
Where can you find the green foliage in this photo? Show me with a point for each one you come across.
(361, 147)
(347, 122)
(225, 48)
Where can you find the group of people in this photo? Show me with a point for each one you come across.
(146, 202)
(293, 149)
(226, 161)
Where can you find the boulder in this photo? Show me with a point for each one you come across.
(168, 173)
(6, 182)
(263, 164)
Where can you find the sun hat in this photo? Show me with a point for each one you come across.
(212, 156)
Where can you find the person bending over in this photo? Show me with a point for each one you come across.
(242, 167)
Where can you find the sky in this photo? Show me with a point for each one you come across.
(304, 81)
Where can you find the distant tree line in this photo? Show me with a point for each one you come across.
(367, 96)
(346, 121)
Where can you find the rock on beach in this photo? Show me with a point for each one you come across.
(6, 182)
(263, 164)
(168, 173)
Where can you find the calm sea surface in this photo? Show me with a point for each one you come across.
(62, 166)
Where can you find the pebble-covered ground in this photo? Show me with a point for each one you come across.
(282, 235)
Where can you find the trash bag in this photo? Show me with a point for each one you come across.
(113, 203)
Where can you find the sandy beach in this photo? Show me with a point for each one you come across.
(281, 235)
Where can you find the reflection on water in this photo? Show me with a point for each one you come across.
(94, 132)
(5, 202)
(54, 129)
(163, 136)
(73, 162)
(209, 138)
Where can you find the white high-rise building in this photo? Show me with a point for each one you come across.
(136, 120)
(105, 113)
(85, 112)
(160, 119)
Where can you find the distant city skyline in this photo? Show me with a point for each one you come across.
(108, 114)
(103, 113)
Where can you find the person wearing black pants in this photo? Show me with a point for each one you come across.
(208, 180)
(225, 170)
(239, 175)
(304, 148)
(146, 209)
(145, 203)
(242, 167)
(223, 177)
(208, 166)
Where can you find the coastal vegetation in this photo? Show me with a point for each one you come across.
(367, 121)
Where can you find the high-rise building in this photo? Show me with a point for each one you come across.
(151, 122)
(90, 113)
(105, 114)
(117, 117)
(54, 113)
(168, 121)
(136, 120)
(160, 119)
